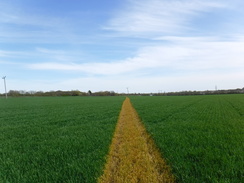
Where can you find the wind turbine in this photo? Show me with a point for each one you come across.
(6, 95)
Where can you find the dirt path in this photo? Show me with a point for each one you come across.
(133, 156)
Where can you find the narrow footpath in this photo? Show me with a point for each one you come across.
(133, 156)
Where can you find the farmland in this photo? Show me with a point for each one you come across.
(66, 139)
(201, 137)
(55, 139)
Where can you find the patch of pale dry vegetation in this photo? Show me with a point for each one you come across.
(133, 157)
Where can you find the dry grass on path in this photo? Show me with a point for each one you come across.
(133, 157)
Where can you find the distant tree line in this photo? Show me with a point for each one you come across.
(181, 93)
(59, 93)
(207, 92)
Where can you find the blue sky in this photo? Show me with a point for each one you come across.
(145, 45)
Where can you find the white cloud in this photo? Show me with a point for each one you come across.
(183, 54)
(3, 53)
(159, 16)
(63, 56)
(12, 54)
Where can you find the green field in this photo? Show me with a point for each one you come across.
(66, 139)
(54, 139)
(202, 137)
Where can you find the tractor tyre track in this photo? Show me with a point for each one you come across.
(133, 156)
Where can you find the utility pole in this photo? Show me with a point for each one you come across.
(127, 90)
(6, 95)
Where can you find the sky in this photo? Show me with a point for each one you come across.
(111, 45)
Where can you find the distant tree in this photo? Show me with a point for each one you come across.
(39, 93)
(75, 93)
(14, 93)
(89, 93)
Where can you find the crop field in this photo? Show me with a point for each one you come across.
(67, 139)
(201, 137)
(55, 139)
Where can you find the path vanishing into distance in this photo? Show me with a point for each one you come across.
(133, 156)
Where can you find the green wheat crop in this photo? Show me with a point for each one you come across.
(50, 139)
(202, 137)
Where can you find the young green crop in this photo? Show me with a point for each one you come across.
(200, 136)
(50, 139)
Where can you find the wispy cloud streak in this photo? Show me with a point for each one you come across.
(142, 17)
(184, 54)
